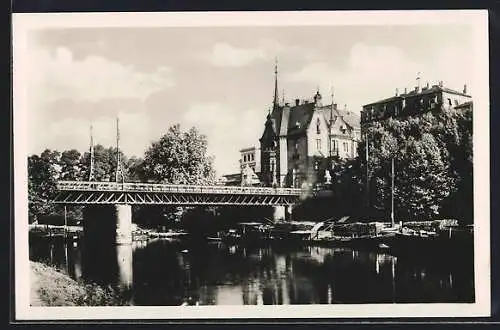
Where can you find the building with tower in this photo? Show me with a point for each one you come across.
(300, 142)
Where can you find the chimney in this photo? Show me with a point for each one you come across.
(440, 83)
(465, 89)
(397, 92)
(297, 102)
(427, 85)
(406, 90)
(345, 106)
(335, 106)
(287, 104)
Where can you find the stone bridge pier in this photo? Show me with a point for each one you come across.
(107, 237)
(108, 224)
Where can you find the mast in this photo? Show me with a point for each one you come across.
(119, 170)
(91, 174)
(392, 192)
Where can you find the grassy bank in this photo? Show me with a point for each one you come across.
(50, 287)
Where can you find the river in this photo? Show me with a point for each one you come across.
(163, 273)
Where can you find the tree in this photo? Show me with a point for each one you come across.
(135, 169)
(104, 164)
(179, 158)
(42, 176)
(433, 163)
(70, 164)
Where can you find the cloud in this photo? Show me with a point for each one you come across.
(227, 129)
(56, 75)
(227, 55)
(374, 72)
(223, 54)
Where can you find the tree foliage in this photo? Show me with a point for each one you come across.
(432, 154)
(177, 157)
(42, 176)
(104, 164)
(180, 158)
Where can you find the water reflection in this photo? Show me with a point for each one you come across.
(174, 273)
(125, 266)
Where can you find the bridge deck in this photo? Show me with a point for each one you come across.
(172, 188)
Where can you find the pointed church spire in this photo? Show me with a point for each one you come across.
(332, 107)
(275, 101)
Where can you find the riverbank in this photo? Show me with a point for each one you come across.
(50, 287)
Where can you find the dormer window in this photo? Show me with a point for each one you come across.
(318, 124)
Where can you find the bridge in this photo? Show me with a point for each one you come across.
(110, 203)
(115, 193)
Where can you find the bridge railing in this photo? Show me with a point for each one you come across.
(171, 188)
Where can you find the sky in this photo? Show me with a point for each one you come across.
(221, 79)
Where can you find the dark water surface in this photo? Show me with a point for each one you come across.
(171, 273)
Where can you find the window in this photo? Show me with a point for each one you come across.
(318, 144)
(318, 123)
(252, 157)
(335, 147)
(345, 146)
(449, 102)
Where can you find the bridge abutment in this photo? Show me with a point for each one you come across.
(279, 213)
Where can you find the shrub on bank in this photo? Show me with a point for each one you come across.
(51, 287)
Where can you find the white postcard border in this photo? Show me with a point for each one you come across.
(477, 18)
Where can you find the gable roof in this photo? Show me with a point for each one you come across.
(298, 118)
(350, 118)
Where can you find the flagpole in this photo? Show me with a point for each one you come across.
(392, 192)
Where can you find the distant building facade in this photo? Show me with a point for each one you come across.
(250, 166)
(300, 141)
(418, 100)
(249, 169)
(250, 157)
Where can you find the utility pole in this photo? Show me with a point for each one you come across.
(392, 192)
(367, 174)
(65, 222)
